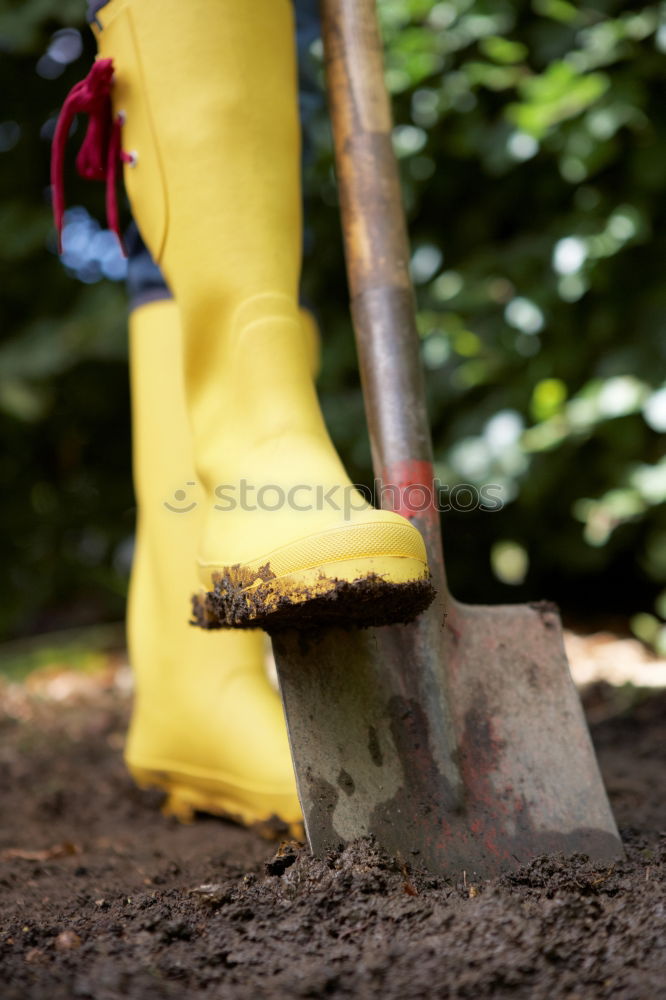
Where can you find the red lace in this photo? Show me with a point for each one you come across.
(100, 153)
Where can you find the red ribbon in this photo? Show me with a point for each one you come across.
(100, 153)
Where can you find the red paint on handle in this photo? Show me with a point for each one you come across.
(408, 488)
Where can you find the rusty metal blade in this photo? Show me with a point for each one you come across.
(373, 754)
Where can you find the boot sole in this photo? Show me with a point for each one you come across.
(356, 593)
(187, 795)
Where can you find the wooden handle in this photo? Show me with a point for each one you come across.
(377, 254)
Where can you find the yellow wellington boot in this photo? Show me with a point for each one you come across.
(206, 93)
(207, 725)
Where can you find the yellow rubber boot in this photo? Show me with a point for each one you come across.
(207, 96)
(207, 725)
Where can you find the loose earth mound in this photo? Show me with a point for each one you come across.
(102, 897)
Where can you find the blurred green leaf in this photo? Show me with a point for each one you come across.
(554, 96)
(503, 50)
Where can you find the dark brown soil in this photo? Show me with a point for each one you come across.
(365, 603)
(104, 898)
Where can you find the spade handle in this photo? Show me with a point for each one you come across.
(377, 255)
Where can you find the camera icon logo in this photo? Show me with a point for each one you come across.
(180, 496)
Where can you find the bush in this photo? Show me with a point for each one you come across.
(531, 141)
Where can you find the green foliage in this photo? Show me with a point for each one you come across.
(531, 139)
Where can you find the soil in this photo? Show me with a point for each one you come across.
(236, 602)
(103, 897)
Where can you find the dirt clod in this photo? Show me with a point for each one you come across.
(285, 857)
(67, 940)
